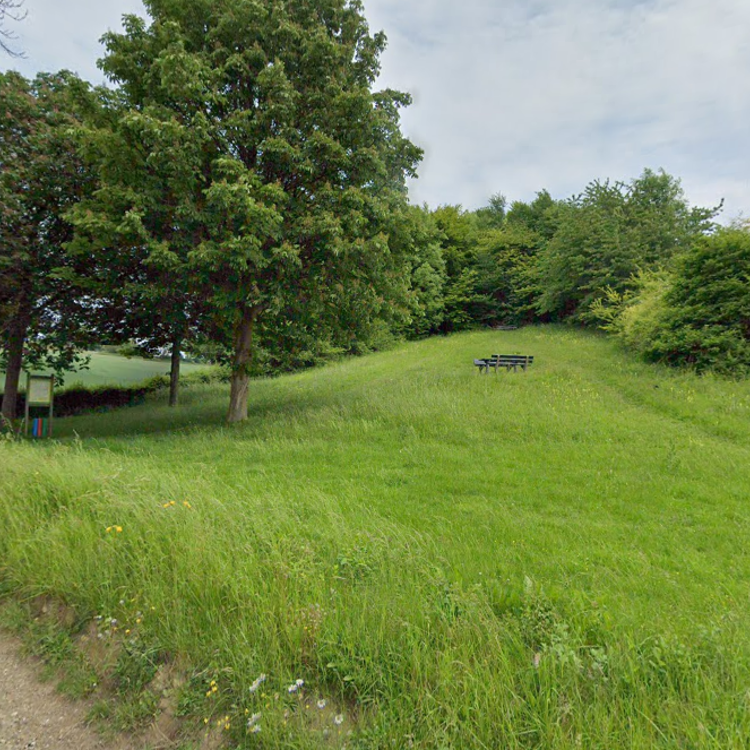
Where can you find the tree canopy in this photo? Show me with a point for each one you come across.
(43, 319)
(605, 235)
(290, 171)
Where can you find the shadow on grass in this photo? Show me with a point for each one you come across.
(201, 408)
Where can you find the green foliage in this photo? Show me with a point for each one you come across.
(44, 318)
(417, 239)
(464, 303)
(505, 263)
(609, 233)
(489, 257)
(492, 216)
(535, 216)
(285, 171)
(709, 303)
(136, 667)
(697, 314)
(639, 317)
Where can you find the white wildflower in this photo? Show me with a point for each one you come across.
(257, 683)
(338, 720)
(321, 703)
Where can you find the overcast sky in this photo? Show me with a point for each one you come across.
(514, 96)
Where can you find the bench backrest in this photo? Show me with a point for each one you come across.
(510, 358)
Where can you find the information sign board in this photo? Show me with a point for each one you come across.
(39, 391)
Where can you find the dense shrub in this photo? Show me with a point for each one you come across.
(638, 318)
(698, 314)
(709, 304)
(78, 398)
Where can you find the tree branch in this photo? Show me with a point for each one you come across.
(10, 9)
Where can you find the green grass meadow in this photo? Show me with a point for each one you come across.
(112, 369)
(552, 559)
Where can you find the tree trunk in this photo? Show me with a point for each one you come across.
(239, 390)
(16, 340)
(174, 373)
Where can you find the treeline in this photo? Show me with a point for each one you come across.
(239, 190)
(632, 258)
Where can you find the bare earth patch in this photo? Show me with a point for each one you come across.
(34, 716)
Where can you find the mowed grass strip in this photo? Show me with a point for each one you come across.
(555, 558)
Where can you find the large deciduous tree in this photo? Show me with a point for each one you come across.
(296, 166)
(42, 317)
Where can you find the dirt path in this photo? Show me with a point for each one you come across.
(33, 716)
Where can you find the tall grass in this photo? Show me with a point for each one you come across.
(552, 559)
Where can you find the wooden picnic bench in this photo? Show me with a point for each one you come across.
(507, 361)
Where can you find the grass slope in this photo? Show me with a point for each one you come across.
(550, 559)
(112, 369)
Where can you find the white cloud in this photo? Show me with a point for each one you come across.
(59, 34)
(520, 95)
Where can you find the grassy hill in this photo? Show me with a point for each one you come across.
(551, 559)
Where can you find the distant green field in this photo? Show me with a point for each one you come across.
(112, 369)
(551, 559)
